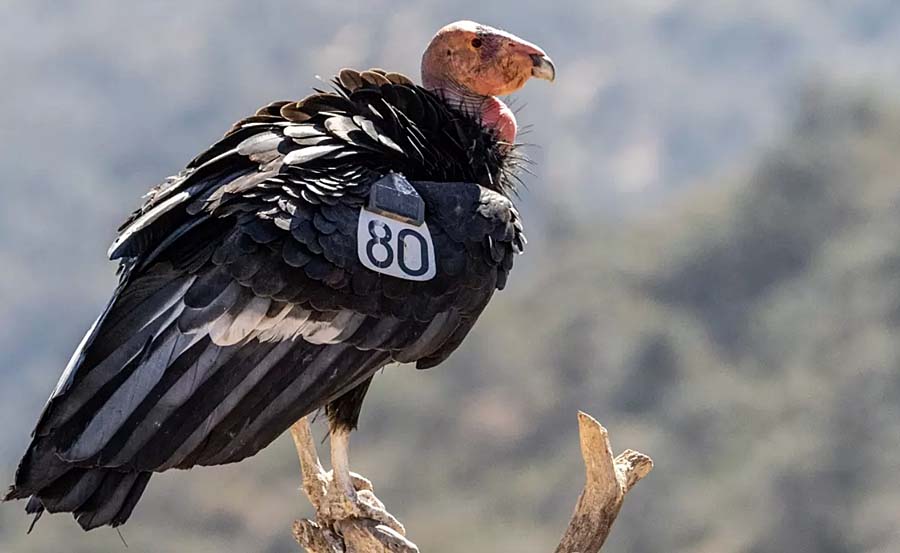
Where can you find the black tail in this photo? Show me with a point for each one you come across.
(95, 497)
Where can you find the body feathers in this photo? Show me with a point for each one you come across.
(242, 305)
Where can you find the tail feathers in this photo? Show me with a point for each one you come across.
(35, 508)
(39, 468)
(95, 497)
(114, 500)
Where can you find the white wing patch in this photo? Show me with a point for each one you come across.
(287, 326)
(338, 329)
(255, 320)
(231, 328)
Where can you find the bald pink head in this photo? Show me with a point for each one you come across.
(471, 64)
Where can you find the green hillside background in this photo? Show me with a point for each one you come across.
(713, 267)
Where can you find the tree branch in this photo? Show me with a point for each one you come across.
(607, 481)
(338, 529)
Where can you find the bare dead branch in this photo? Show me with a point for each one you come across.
(607, 481)
(338, 528)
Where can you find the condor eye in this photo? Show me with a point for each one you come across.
(476, 42)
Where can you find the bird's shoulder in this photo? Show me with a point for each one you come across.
(325, 149)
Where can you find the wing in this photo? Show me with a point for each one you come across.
(243, 306)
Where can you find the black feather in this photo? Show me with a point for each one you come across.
(207, 288)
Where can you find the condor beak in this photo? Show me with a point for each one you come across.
(543, 67)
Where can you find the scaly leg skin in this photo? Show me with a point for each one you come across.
(349, 494)
(340, 462)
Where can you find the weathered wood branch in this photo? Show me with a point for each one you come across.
(607, 481)
(338, 528)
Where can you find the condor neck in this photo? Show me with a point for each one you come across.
(490, 110)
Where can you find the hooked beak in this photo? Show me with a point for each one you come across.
(543, 67)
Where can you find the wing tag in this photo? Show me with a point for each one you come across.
(393, 196)
(392, 236)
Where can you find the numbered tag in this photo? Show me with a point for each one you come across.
(394, 248)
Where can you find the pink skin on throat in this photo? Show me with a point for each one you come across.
(494, 114)
(497, 115)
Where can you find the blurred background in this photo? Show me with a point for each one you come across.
(713, 268)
